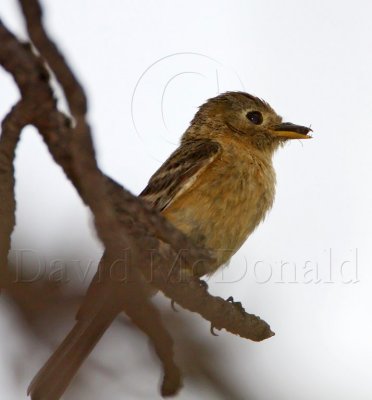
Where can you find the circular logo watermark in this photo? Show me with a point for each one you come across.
(168, 92)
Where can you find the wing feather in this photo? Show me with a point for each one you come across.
(179, 172)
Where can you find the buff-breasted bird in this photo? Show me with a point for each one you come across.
(220, 182)
(216, 188)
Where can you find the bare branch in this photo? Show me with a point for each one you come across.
(122, 221)
(10, 132)
(132, 212)
(72, 89)
(93, 186)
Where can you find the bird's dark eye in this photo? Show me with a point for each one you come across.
(255, 117)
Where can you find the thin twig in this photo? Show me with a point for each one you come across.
(10, 132)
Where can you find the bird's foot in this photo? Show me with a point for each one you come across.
(212, 330)
(236, 304)
(203, 284)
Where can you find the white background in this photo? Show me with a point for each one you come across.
(312, 62)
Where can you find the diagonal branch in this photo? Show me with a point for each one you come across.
(133, 213)
(92, 184)
(72, 89)
(10, 132)
(122, 220)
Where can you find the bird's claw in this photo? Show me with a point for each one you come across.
(173, 306)
(212, 330)
(203, 284)
(236, 304)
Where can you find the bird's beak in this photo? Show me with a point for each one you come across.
(291, 131)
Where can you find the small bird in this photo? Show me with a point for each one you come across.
(216, 188)
(220, 182)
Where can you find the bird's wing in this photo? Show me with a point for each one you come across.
(179, 172)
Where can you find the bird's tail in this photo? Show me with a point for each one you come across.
(54, 377)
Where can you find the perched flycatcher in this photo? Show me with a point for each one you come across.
(216, 188)
(220, 182)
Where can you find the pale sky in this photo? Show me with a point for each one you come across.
(146, 67)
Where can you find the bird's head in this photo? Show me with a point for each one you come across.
(246, 116)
